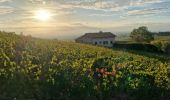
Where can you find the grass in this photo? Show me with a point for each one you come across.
(127, 39)
(162, 38)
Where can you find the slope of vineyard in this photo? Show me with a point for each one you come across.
(37, 69)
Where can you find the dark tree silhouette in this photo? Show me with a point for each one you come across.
(142, 34)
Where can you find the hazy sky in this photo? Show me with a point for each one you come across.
(69, 18)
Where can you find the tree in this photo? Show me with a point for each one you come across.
(142, 34)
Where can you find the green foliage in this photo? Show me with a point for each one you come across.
(162, 45)
(142, 34)
(35, 69)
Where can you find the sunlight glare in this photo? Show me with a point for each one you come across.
(42, 15)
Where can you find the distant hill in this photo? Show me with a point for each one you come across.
(162, 34)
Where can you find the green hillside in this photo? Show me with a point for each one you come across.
(37, 69)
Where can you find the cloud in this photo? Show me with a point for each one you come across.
(109, 5)
(149, 11)
(144, 2)
(103, 15)
(99, 5)
(1, 1)
(106, 6)
(5, 10)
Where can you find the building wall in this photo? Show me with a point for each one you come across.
(86, 41)
(107, 42)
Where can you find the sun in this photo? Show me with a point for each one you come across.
(42, 15)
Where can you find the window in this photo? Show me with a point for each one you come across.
(105, 42)
(100, 42)
(111, 42)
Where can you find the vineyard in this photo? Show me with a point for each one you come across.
(39, 69)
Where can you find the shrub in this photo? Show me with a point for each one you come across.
(162, 45)
(138, 46)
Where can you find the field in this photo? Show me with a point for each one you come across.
(159, 47)
(126, 39)
(162, 38)
(37, 69)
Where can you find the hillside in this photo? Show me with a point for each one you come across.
(37, 69)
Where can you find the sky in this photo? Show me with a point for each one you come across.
(64, 19)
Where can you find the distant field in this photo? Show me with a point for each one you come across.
(126, 39)
(162, 38)
(123, 38)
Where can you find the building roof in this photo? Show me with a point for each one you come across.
(97, 35)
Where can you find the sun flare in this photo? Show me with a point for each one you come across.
(42, 15)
